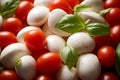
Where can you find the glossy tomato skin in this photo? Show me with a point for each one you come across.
(9, 75)
(29, 0)
(113, 16)
(44, 77)
(107, 56)
(23, 9)
(62, 4)
(102, 41)
(35, 40)
(12, 24)
(115, 33)
(73, 3)
(111, 3)
(37, 54)
(108, 76)
(49, 63)
(6, 38)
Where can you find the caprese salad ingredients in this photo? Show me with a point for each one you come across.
(59, 39)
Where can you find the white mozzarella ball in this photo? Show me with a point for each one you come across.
(22, 32)
(11, 53)
(82, 42)
(26, 67)
(96, 5)
(55, 43)
(93, 17)
(38, 16)
(88, 67)
(45, 3)
(54, 17)
(67, 74)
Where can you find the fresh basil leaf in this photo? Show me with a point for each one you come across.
(69, 56)
(118, 52)
(98, 29)
(104, 12)
(71, 23)
(18, 62)
(81, 7)
(8, 9)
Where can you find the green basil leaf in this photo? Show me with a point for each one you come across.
(118, 52)
(8, 9)
(71, 23)
(18, 62)
(69, 56)
(104, 12)
(80, 8)
(98, 29)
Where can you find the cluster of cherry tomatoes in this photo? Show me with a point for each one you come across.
(105, 45)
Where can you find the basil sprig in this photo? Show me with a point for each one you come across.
(69, 56)
(8, 9)
(73, 23)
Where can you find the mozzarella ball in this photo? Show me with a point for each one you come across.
(26, 67)
(11, 53)
(45, 3)
(88, 67)
(55, 43)
(92, 17)
(95, 5)
(82, 42)
(54, 17)
(67, 74)
(38, 16)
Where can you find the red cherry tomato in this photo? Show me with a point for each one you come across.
(49, 63)
(74, 2)
(37, 54)
(107, 56)
(62, 4)
(102, 41)
(35, 40)
(12, 24)
(44, 77)
(29, 0)
(108, 76)
(6, 38)
(111, 3)
(115, 33)
(23, 9)
(9, 75)
(113, 16)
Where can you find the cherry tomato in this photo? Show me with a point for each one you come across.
(49, 63)
(23, 9)
(12, 24)
(115, 33)
(9, 75)
(108, 76)
(29, 0)
(107, 56)
(62, 4)
(102, 41)
(35, 40)
(6, 38)
(111, 3)
(37, 54)
(44, 77)
(113, 16)
(74, 2)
